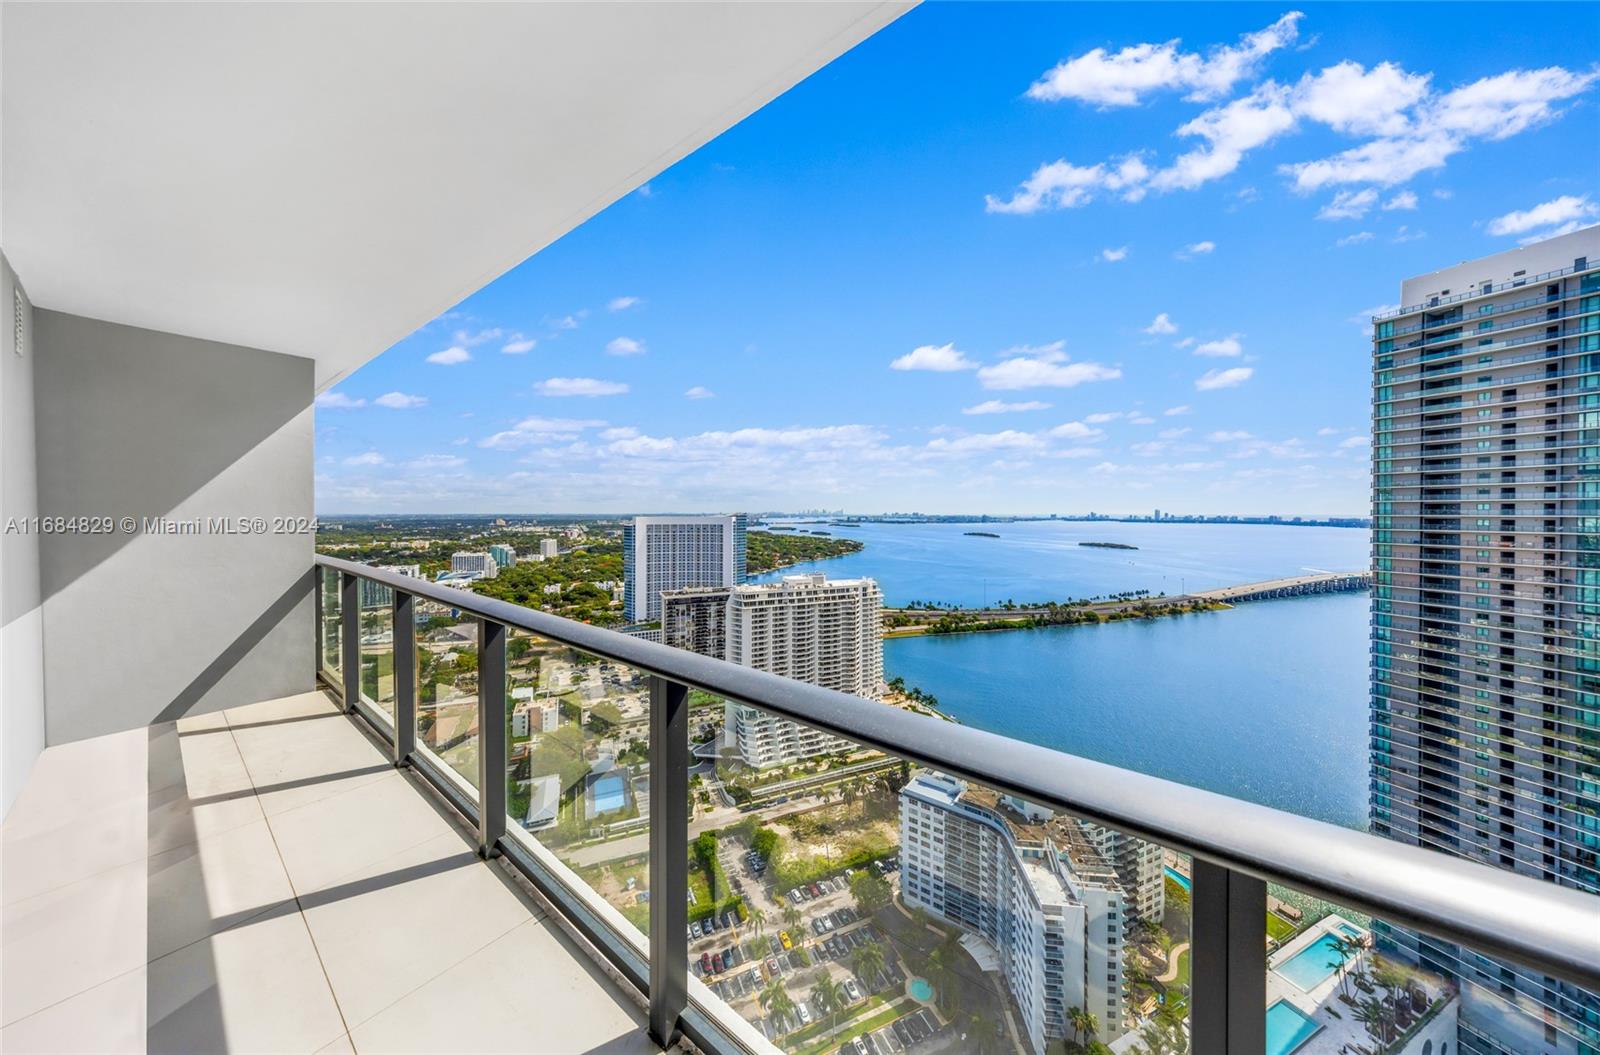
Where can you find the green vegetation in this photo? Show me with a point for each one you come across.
(765, 551)
(575, 571)
(959, 622)
(1278, 928)
(708, 881)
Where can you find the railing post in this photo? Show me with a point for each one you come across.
(491, 736)
(350, 632)
(317, 578)
(669, 857)
(1228, 979)
(404, 625)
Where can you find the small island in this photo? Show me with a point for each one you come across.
(981, 534)
(1104, 545)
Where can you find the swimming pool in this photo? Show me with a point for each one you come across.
(1287, 1028)
(1309, 967)
(1350, 930)
(921, 989)
(1178, 878)
(607, 794)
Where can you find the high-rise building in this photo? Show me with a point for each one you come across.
(548, 547)
(377, 595)
(672, 553)
(696, 620)
(1486, 601)
(1030, 886)
(1141, 869)
(504, 556)
(478, 564)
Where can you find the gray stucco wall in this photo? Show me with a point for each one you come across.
(22, 734)
(144, 627)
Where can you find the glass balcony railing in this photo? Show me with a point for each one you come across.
(881, 882)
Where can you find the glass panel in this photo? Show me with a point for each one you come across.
(377, 646)
(1336, 983)
(578, 766)
(328, 639)
(875, 901)
(447, 687)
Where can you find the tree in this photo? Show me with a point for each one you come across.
(872, 892)
(830, 997)
(867, 960)
(775, 998)
(792, 918)
(1083, 1023)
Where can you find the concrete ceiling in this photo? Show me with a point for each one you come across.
(322, 179)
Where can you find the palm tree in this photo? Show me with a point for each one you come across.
(1084, 1023)
(830, 997)
(1075, 1020)
(1372, 1014)
(792, 918)
(758, 922)
(775, 998)
(868, 961)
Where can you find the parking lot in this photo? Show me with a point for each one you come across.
(806, 934)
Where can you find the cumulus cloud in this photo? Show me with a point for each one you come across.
(624, 346)
(338, 401)
(450, 356)
(370, 458)
(1354, 239)
(1195, 249)
(1126, 77)
(535, 430)
(1233, 377)
(1010, 439)
(996, 406)
(1351, 99)
(400, 401)
(1404, 200)
(1228, 435)
(1173, 412)
(579, 386)
(1104, 416)
(1113, 255)
(1042, 367)
(1562, 215)
(1223, 348)
(518, 345)
(1163, 324)
(1060, 184)
(621, 303)
(700, 392)
(429, 462)
(1349, 205)
(1075, 430)
(941, 358)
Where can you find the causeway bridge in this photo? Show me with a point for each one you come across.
(1320, 582)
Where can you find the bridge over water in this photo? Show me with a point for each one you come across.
(1320, 582)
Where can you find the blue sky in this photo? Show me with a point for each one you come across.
(1002, 258)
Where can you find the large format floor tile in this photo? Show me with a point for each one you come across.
(263, 879)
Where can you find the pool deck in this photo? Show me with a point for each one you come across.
(1337, 1029)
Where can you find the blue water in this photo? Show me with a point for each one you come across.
(921, 989)
(1040, 560)
(1287, 1028)
(1266, 702)
(1179, 878)
(608, 794)
(1312, 964)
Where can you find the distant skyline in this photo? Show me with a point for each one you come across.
(1013, 259)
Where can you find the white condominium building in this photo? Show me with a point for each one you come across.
(479, 564)
(548, 547)
(674, 552)
(1141, 869)
(377, 595)
(1031, 887)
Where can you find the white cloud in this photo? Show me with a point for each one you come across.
(579, 386)
(468, 339)
(1353, 442)
(1328, 430)
(1141, 419)
(1349, 205)
(436, 461)
(1075, 430)
(450, 356)
(1123, 78)
(1010, 439)
(369, 458)
(1046, 368)
(1557, 211)
(338, 401)
(621, 432)
(400, 401)
(1551, 232)
(1228, 436)
(1173, 434)
(1356, 101)
(621, 303)
(1233, 377)
(535, 430)
(1060, 184)
(1406, 234)
(995, 406)
(942, 358)
(1196, 249)
(1354, 239)
(624, 346)
(1104, 416)
(1230, 132)
(1404, 200)
(1186, 342)
(1173, 412)
(518, 345)
(568, 322)
(700, 392)
(1113, 255)
(1223, 347)
(1163, 324)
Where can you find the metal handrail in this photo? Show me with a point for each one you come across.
(1549, 929)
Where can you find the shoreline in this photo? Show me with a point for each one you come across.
(1102, 615)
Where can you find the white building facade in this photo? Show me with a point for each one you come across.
(479, 564)
(675, 552)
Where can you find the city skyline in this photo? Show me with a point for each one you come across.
(884, 287)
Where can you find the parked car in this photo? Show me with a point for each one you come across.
(783, 936)
(852, 990)
(860, 1046)
(772, 967)
(705, 963)
(804, 1013)
(696, 928)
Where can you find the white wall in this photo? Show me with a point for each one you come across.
(144, 627)
(22, 728)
